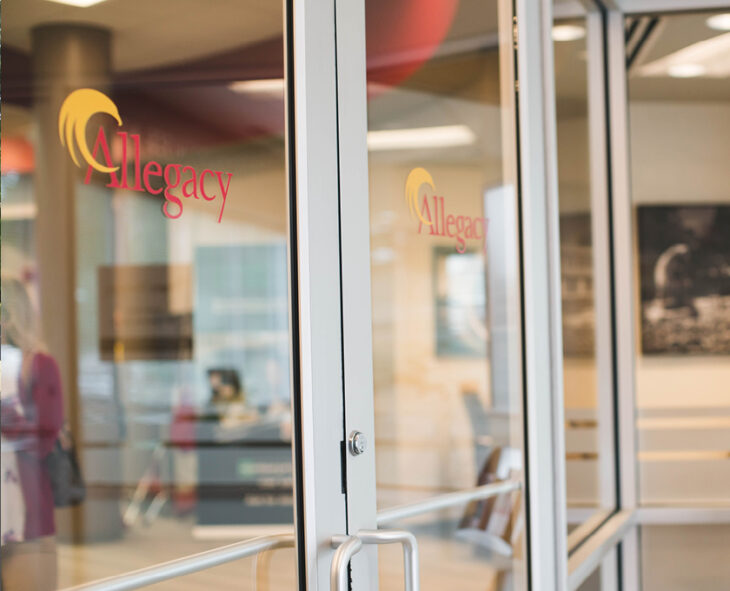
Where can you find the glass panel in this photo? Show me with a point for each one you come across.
(679, 93)
(587, 351)
(679, 557)
(445, 282)
(144, 284)
(679, 101)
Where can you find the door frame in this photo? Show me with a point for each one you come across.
(331, 218)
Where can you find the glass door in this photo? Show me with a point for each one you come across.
(444, 269)
(281, 271)
(146, 291)
(448, 373)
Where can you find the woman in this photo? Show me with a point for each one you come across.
(30, 424)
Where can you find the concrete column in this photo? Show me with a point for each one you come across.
(65, 57)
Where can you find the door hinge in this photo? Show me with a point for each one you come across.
(515, 33)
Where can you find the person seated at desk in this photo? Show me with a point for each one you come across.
(228, 398)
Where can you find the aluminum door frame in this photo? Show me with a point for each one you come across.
(315, 267)
(333, 293)
(542, 336)
(545, 433)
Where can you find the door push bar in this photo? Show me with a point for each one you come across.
(348, 546)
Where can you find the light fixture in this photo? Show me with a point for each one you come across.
(78, 3)
(444, 136)
(267, 86)
(686, 70)
(568, 32)
(709, 58)
(719, 22)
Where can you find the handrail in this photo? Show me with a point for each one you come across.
(217, 556)
(589, 556)
(448, 500)
(188, 564)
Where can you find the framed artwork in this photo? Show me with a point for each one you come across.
(461, 303)
(684, 263)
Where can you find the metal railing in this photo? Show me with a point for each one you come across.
(188, 564)
(461, 497)
(217, 556)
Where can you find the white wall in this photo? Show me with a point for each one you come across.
(679, 155)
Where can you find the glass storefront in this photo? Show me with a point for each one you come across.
(285, 280)
(151, 300)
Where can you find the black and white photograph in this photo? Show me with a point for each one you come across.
(684, 258)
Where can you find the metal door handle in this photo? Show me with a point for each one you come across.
(348, 546)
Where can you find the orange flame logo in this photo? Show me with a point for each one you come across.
(75, 113)
(416, 179)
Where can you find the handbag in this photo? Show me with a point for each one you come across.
(67, 483)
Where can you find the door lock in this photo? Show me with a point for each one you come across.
(358, 443)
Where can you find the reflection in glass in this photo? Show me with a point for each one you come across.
(445, 307)
(156, 263)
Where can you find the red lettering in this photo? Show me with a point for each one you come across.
(476, 232)
(192, 181)
(450, 220)
(123, 136)
(443, 210)
(102, 143)
(202, 185)
(169, 197)
(435, 226)
(426, 214)
(137, 172)
(224, 191)
(148, 172)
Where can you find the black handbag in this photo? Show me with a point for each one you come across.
(67, 483)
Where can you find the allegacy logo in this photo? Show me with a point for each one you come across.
(432, 212)
(154, 178)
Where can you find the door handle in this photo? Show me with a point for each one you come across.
(348, 546)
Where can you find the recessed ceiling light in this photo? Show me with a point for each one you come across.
(264, 86)
(568, 33)
(443, 136)
(686, 70)
(707, 58)
(78, 3)
(719, 22)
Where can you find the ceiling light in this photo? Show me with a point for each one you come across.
(444, 136)
(719, 22)
(270, 86)
(709, 58)
(686, 70)
(78, 3)
(568, 33)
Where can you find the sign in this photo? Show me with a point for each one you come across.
(431, 213)
(176, 182)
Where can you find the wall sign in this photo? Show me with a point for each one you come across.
(174, 181)
(431, 213)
